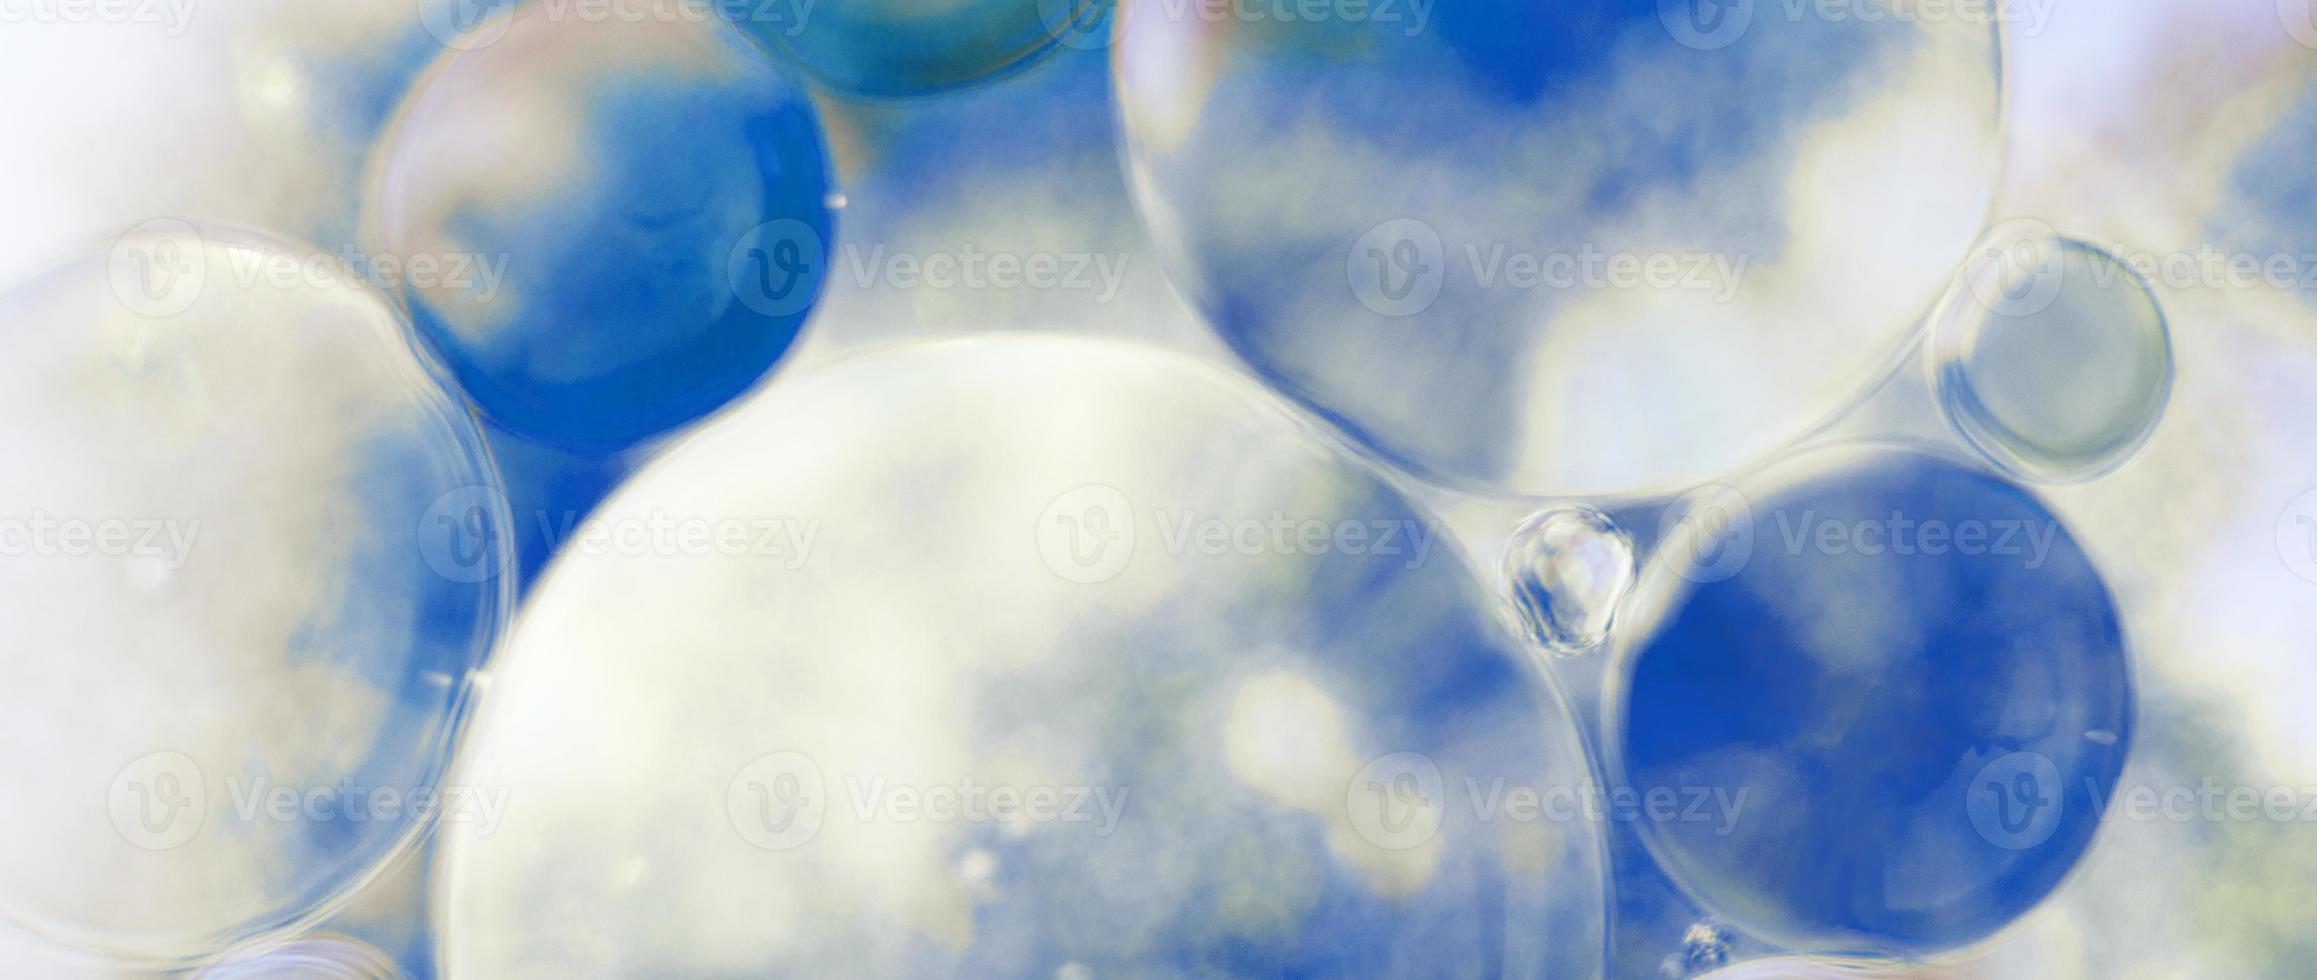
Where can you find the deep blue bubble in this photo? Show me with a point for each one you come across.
(1911, 670)
(628, 223)
(898, 48)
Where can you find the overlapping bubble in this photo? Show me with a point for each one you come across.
(1908, 673)
(236, 661)
(609, 229)
(1567, 248)
(1021, 657)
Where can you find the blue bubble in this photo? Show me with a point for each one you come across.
(1560, 249)
(1915, 677)
(2051, 357)
(1263, 750)
(894, 48)
(608, 230)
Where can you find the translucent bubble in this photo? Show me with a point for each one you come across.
(318, 957)
(1568, 248)
(2051, 357)
(1012, 678)
(1565, 570)
(235, 553)
(1913, 685)
(903, 48)
(607, 229)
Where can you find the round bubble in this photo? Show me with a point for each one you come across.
(607, 229)
(2051, 357)
(1914, 683)
(1565, 570)
(1564, 248)
(1037, 657)
(898, 48)
(237, 571)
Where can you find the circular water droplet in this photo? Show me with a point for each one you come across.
(1564, 572)
(2052, 357)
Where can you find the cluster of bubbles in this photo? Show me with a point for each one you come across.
(1594, 250)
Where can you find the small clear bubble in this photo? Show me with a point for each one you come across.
(2052, 358)
(1564, 572)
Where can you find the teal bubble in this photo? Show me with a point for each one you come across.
(899, 48)
(2052, 358)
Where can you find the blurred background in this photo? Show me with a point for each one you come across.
(2153, 128)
